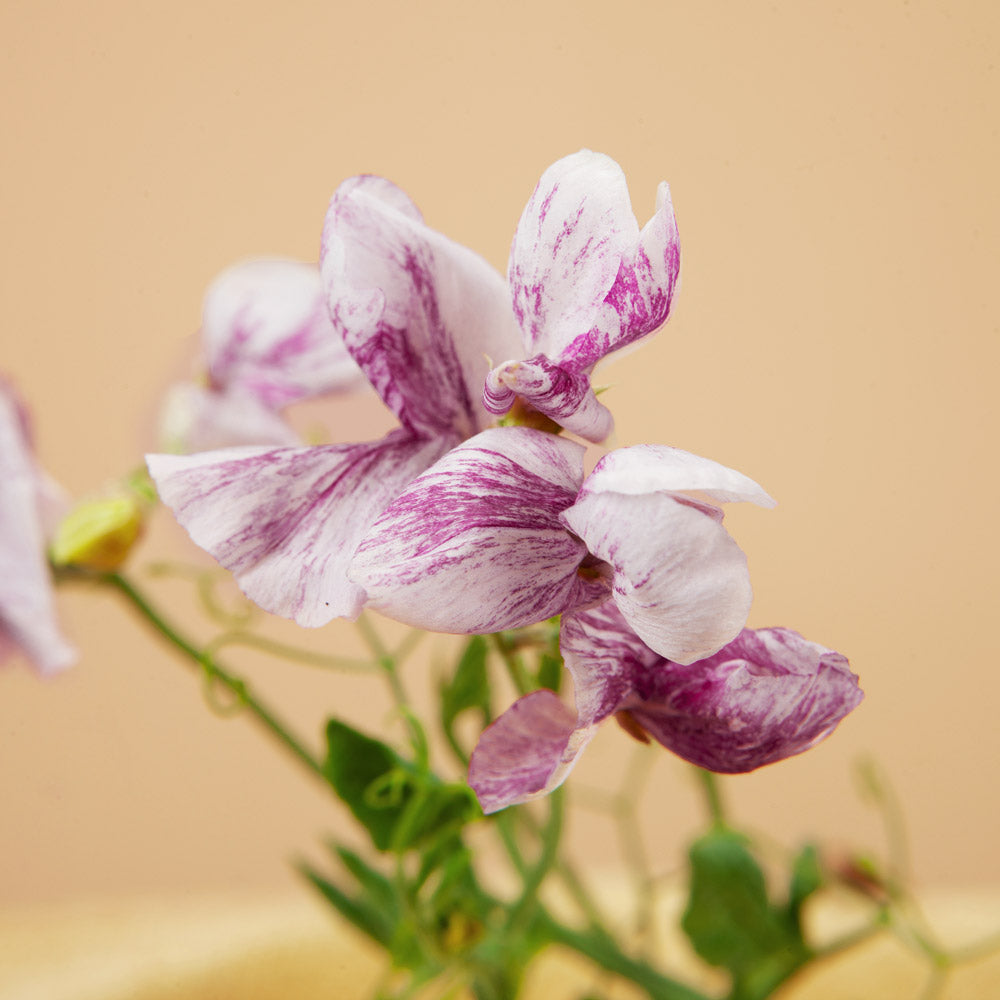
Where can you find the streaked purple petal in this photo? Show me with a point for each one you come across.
(649, 468)
(642, 296)
(767, 695)
(475, 544)
(286, 521)
(266, 333)
(567, 251)
(679, 579)
(196, 418)
(420, 313)
(27, 607)
(562, 396)
(526, 752)
(604, 657)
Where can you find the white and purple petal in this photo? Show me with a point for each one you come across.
(650, 468)
(527, 752)
(567, 251)
(562, 396)
(266, 333)
(197, 418)
(475, 544)
(420, 314)
(27, 605)
(678, 577)
(641, 299)
(286, 521)
(765, 696)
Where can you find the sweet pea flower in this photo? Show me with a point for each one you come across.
(417, 313)
(585, 281)
(29, 502)
(767, 695)
(505, 531)
(267, 342)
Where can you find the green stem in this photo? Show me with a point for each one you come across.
(535, 874)
(281, 649)
(603, 951)
(513, 663)
(713, 797)
(239, 688)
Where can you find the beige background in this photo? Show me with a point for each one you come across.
(834, 169)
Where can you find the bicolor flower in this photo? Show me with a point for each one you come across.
(505, 531)
(417, 313)
(767, 695)
(585, 281)
(29, 504)
(267, 342)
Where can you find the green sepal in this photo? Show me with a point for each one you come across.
(399, 805)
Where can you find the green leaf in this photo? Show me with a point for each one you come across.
(469, 687)
(807, 877)
(731, 922)
(367, 918)
(398, 804)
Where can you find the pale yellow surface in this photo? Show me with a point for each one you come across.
(287, 948)
(834, 169)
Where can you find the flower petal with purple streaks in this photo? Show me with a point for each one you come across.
(419, 313)
(286, 521)
(562, 396)
(475, 544)
(649, 468)
(525, 753)
(568, 249)
(27, 606)
(766, 696)
(266, 332)
(679, 578)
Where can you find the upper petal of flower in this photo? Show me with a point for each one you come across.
(765, 696)
(585, 281)
(567, 251)
(286, 521)
(419, 313)
(266, 333)
(475, 544)
(27, 608)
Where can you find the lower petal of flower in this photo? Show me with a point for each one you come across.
(526, 752)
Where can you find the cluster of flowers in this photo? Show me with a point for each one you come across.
(461, 522)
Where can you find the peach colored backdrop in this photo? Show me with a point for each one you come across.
(834, 168)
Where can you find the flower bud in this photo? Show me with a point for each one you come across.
(98, 534)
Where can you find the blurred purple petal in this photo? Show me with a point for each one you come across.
(475, 544)
(198, 418)
(286, 521)
(266, 333)
(420, 314)
(27, 605)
